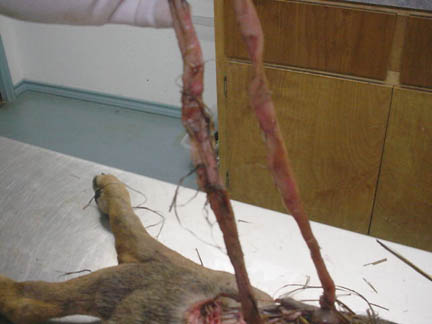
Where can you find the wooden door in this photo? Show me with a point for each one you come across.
(416, 67)
(333, 68)
(317, 36)
(334, 131)
(403, 209)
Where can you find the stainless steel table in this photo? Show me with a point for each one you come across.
(45, 233)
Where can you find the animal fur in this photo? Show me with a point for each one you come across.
(151, 284)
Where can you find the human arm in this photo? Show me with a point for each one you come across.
(144, 13)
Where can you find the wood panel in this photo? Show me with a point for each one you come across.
(334, 130)
(338, 40)
(417, 55)
(220, 76)
(403, 210)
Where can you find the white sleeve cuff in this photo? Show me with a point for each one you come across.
(144, 13)
(150, 13)
(155, 13)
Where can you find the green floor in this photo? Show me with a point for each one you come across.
(142, 143)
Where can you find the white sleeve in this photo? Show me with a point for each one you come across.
(151, 13)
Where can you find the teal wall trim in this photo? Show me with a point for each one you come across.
(6, 85)
(99, 97)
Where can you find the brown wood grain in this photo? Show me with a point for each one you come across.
(417, 54)
(220, 77)
(333, 39)
(398, 41)
(403, 208)
(334, 131)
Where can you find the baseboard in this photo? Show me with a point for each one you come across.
(99, 97)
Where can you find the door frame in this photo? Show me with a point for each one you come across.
(6, 86)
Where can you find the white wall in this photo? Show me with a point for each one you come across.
(121, 60)
(7, 32)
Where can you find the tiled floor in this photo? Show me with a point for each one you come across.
(142, 143)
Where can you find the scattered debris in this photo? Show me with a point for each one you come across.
(375, 262)
(379, 306)
(370, 285)
(138, 192)
(199, 257)
(161, 222)
(174, 203)
(345, 306)
(307, 282)
(412, 265)
(74, 272)
(89, 203)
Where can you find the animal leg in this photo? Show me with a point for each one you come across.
(38, 301)
(97, 294)
(132, 242)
